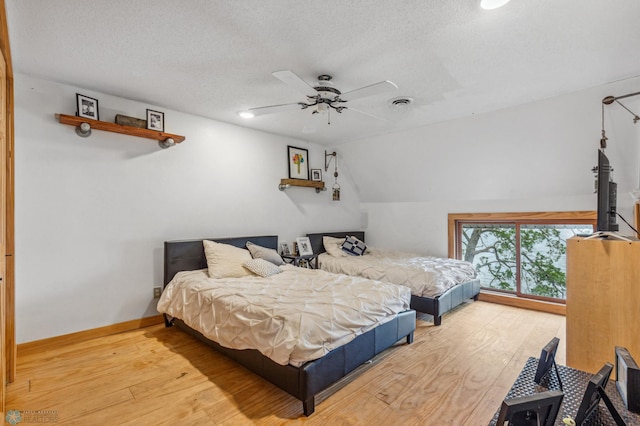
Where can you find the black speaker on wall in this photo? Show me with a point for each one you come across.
(628, 379)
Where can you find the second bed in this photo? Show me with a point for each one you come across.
(437, 284)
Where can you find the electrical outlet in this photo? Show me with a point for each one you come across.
(156, 292)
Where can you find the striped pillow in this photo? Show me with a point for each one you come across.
(354, 246)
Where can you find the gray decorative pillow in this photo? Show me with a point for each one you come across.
(262, 267)
(354, 246)
(259, 252)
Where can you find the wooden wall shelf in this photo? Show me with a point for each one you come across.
(286, 183)
(72, 120)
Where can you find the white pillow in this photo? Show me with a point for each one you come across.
(262, 267)
(225, 260)
(333, 246)
(259, 252)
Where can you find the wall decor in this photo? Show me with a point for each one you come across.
(316, 175)
(298, 160)
(87, 107)
(284, 249)
(304, 246)
(335, 189)
(155, 120)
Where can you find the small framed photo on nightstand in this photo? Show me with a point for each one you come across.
(284, 249)
(304, 246)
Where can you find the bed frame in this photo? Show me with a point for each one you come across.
(302, 382)
(436, 306)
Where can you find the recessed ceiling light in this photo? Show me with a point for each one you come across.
(492, 4)
(246, 114)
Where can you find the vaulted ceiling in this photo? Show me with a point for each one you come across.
(216, 58)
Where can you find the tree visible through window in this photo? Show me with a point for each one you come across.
(517, 253)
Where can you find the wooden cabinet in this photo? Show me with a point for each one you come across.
(603, 301)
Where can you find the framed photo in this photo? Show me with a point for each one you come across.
(155, 120)
(298, 160)
(304, 246)
(316, 175)
(87, 107)
(628, 379)
(284, 249)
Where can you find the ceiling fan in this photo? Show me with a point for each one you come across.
(322, 97)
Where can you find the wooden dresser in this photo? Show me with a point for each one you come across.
(603, 301)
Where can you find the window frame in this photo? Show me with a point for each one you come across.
(456, 220)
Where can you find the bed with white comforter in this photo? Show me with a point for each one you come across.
(301, 330)
(292, 317)
(427, 276)
(437, 284)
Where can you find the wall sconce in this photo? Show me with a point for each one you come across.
(335, 194)
(83, 130)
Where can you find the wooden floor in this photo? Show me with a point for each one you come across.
(455, 374)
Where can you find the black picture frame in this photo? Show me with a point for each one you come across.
(316, 175)
(596, 392)
(544, 406)
(547, 363)
(87, 107)
(628, 379)
(155, 120)
(298, 162)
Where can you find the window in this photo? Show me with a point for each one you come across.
(518, 253)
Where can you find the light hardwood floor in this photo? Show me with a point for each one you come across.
(455, 374)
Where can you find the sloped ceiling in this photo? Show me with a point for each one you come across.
(215, 58)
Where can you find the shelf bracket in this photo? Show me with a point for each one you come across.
(326, 163)
(167, 143)
(83, 130)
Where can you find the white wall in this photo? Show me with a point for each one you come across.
(535, 157)
(92, 214)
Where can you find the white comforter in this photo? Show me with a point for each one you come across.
(426, 276)
(292, 317)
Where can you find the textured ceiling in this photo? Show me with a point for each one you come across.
(215, 58)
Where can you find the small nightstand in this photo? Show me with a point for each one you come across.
(295, 260)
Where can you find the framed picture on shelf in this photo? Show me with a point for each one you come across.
(155, 120)
(298, 160)
(316, 175)
(87, 107)
(304, 246)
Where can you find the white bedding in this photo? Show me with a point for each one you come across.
(292, 317)
(426, 276)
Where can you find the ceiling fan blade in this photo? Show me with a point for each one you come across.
(373, 89)
(377, 117)
(272, 109)
(292, 79)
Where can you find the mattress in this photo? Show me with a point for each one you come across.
(292, 317)
(427, 276)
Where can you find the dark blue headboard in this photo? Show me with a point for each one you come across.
(316, 239)
(188, 255)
